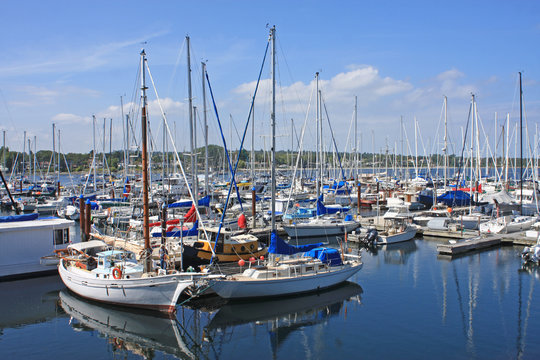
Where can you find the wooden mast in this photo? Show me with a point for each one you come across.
(273, 120)
(146, 230)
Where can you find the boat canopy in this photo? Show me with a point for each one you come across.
(326, 255)
(205, 201)
(279, 246)
(14, 218)
(322, 210)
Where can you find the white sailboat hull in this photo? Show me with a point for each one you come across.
(259, 288)
(158, 293)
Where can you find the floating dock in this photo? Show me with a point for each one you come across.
(484, 241)
(471, 244)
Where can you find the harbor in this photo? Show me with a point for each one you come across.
(178, 184)
(460, 302)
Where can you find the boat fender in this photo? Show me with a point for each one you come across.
(117, 273)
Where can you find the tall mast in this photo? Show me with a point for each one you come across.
(35, 159)
(495, 145)
(416, 146)
(317, 160)
(253, 143)
(94, 148)
(58, 178)
(127, 145)
(206, 188)
(103, 157)
(23, 156)
(356, 137)
(124, 134)
(195, 157)
(507, 153)
(30, 159)
(164, 140)
(146, 230)
(191, 127)
(273, 122)
(445, 149)
(520, 144)
(401, 135)
(4, 150)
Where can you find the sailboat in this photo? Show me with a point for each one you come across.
(115, 276)
(321, 267)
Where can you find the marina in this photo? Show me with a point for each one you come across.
(269, 191)
(459, 303)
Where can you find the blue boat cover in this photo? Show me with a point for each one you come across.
(326, 255)
(205, 201)
(181, 233)
(94, 205)
(13, 218)
(455, 198)
(278, 246)
(322, 210)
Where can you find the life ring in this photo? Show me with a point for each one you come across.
(117, 273)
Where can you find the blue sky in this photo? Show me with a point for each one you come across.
(63, 61)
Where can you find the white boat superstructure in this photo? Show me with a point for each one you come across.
(25, 239)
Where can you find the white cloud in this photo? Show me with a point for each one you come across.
(61, 61)
(70, 119)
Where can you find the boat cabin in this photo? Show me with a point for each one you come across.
(25, 239)
(108, 261)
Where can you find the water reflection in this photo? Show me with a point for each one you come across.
(285, 316)
(27, 302)
(138, 332)
(398, 253)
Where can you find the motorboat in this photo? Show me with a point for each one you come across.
(508, 224)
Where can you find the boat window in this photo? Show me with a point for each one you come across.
(309, 268)
(61, 236)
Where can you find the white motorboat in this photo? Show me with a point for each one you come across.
(508, 224)
(401, 233)
(395, 230)
(69, 212)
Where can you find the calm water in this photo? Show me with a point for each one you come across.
(405, 303)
